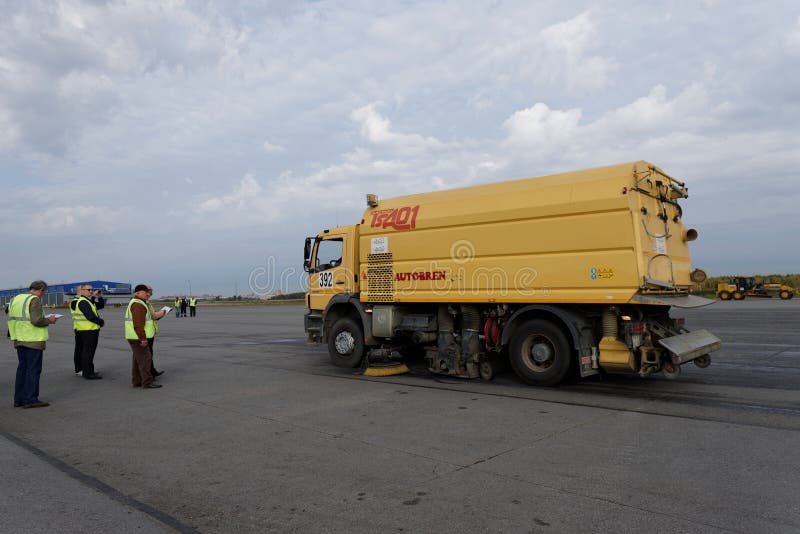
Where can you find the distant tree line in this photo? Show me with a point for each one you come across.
(289, 296)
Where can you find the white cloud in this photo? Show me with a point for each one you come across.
(539, 126)
(656, 111)
(377, 129)
(272, 148)
(75, 221)
(104, 100)
(43, 216)
(248, 204)
(9, 131)
(793, 38)
(568, 44)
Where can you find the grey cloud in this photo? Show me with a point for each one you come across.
(109, 100)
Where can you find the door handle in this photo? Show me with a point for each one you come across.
(339, 283)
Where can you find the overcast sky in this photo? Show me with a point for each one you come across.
(170, 141)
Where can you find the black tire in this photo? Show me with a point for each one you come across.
(540, 353)
(738, 295)
(702, 361)
(724, 295)
(785, 295)
(487, 369)
(346, 343)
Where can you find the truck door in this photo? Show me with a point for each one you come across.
(329, 273)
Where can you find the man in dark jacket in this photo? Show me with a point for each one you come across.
(86, 323)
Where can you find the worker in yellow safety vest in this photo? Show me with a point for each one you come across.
(27, 327)
(192, 306)
(155, 316)
(86, 323)
(139, 327)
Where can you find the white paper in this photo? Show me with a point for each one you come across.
(379, 245)
(56, 315)
(165, 309)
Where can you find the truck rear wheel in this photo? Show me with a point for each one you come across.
(540, 353)
(785, 295)
(724, 295)
(346, 343)
(738, 295)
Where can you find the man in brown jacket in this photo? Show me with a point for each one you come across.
(139, 326)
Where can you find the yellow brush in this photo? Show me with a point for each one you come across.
(387, 371)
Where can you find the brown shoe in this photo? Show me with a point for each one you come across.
(39, 404)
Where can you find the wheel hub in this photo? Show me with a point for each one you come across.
(345, 343)
(542, 353)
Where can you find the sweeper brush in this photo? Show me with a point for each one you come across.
(386, 369)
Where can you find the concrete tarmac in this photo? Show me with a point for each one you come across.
(255, 431)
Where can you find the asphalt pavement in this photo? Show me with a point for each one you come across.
(255, 431)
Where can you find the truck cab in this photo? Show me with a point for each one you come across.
(331, 260)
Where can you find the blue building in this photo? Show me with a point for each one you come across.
(58, 294)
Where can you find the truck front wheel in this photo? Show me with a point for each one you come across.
(540, 353)
(346, 343)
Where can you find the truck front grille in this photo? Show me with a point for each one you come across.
(380, 277)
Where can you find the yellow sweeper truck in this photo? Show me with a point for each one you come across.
(574, 270)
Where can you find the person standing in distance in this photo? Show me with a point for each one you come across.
(27, 327)
(156, 316)
(139, 326)
(87, 324)
(192, 307)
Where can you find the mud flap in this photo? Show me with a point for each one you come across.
(686, 347)
(588, 362)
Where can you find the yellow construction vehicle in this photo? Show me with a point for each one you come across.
(739, 287)
(574, 270)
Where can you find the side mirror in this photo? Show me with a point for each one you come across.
(307, 255)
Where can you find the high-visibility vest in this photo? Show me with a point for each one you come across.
(79, 320)
(149, 328)
(177, 302)
(19, 320)
(155, 323)
(192, 302)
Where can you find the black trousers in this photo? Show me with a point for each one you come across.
(150, 342)
(192, 311)
(85, 347)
